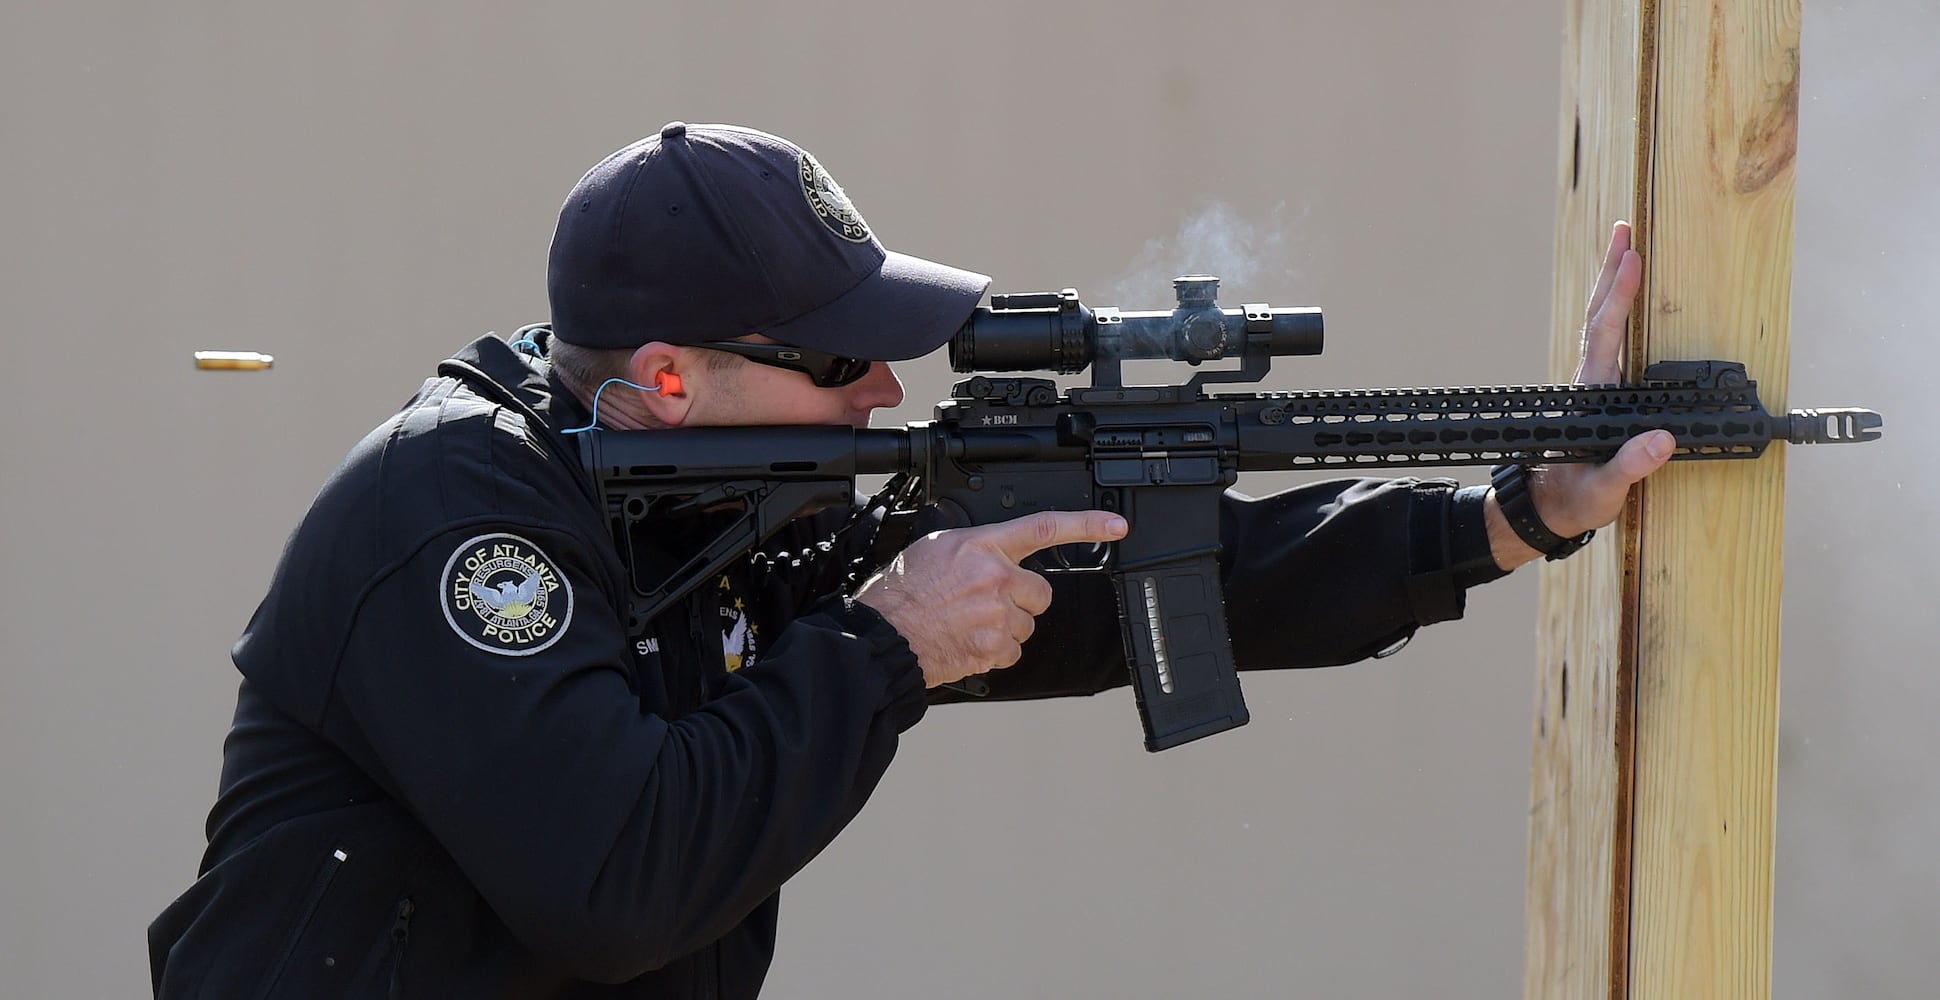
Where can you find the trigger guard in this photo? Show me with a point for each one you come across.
(1072, 557)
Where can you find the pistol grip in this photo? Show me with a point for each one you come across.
(1172, 614)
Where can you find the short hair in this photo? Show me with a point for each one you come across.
(585, 368)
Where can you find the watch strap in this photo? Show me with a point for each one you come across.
(1511, 484)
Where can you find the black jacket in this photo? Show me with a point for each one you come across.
(451, 773)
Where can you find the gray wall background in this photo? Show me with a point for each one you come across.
(358, 188)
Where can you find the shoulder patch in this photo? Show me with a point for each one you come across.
(503, 595)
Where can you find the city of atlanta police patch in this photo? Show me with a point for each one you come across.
(503, 595)
(831, 205)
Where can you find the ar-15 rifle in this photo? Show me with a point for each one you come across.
(1002, 446)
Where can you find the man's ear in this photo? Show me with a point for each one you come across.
(660, 367)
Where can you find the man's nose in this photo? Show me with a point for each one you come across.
(878, 389)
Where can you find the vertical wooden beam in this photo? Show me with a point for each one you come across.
(1651, 814)
(1574, 921)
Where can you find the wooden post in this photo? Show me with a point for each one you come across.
(1651, 811)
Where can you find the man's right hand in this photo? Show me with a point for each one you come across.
(960, 598)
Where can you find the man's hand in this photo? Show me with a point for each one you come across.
(1571, 498)
(960, 598)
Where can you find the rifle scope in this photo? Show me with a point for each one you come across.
(1037, 331)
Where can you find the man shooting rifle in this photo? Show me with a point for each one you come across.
(461, 767)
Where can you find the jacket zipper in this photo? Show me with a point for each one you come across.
(331, 865)
(400, 936)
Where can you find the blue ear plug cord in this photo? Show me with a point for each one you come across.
(522, 339)
(596, 403)
(526, 344)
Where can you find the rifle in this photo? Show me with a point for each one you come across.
(1004, 446)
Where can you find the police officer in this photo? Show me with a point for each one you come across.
(452, 772)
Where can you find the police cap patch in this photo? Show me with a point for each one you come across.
(830, 203)
(503, 595)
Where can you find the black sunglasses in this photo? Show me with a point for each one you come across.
(822, 368)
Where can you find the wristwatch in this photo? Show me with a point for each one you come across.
(1512, 495)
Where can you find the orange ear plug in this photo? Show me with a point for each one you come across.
(667, 382)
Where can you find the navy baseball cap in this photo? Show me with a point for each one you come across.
(710, 232)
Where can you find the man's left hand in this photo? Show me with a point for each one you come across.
(1575, 498)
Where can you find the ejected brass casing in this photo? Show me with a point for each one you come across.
(237, 361)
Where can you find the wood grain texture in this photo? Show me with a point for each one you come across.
(1718, 286)
(1578, 828)
(1650, 864)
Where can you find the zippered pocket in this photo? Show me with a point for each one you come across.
(318, 886)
